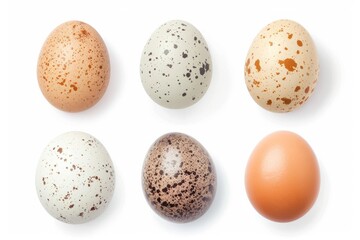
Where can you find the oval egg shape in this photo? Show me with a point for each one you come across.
(75, 178)
(73, 67)
(282, 177)
(176, 65)
(179, 179)
(281, 68)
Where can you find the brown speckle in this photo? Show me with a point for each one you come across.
(297, 88)
(247, 68)
(74, 87)
(62, 82)
(269, 102)
(286, 101)
(257, 65)
(299, 43)
(307, 89)
(289, 64)
(256, 83)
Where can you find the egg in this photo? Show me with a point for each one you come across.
(176, 65)
(282, 177)
(73, 68)
(179, 179)
(281, 68)
(75, 178)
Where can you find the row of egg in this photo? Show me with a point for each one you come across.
(281, 68)
(75, 177)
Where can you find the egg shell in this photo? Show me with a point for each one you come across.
(282, 177)
(75, 178)
(179, 178)
(73, 67)
(281, 68)
(176, 65)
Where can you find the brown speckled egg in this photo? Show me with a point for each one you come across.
(73, 67)
(281, 68)
(179, 179)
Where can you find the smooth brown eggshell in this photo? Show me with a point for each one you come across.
(282, 177)
(281, 68)
(179, 179)
(73, 67)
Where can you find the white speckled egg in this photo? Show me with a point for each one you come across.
(281, 68)
(176, 65)
(75, 178)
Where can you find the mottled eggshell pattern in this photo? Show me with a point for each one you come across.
(75, 178)
(281, 68)
(73, 67)
(179, 179)
(176, 66)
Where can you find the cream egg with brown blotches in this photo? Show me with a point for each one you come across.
(281, 68)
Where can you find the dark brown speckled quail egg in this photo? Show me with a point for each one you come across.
(176, 65)
(179, 178)
(75, 178)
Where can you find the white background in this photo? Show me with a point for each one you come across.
(226, 121)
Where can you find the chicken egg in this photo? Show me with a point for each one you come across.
(73, 67)
(282, 177)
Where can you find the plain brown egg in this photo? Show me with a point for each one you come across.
(282, 177)
(73, 67)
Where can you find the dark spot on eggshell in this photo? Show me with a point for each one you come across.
(286, 101)
(289, 64)
(186, 185)
(257, 65)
